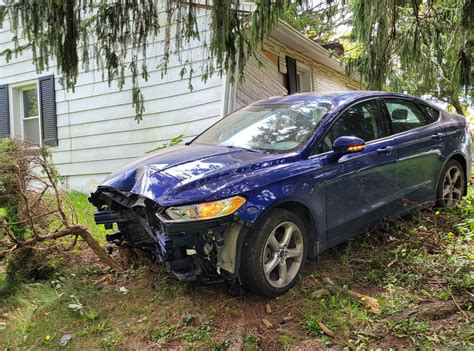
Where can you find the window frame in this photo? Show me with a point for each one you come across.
(17, 113)
(316, 149)
(302, 71)
(423, 106)
(414, 102)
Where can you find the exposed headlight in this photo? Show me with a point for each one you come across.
(206, 210)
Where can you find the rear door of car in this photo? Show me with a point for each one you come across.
(419, 142)
(360, 187)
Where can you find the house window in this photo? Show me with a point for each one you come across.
(304, 81)
(299, 76)
(28, 110)
(29, 113)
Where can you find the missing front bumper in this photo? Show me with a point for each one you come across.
(204, 251)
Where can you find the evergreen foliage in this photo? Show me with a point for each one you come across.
(418, 46)
(113, 35)
(423, 47)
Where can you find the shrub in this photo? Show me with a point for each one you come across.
(35, 213)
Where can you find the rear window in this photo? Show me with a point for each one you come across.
(405, 115)
(432, 114)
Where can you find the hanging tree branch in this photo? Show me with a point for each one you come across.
(114, 35)
(428, 46)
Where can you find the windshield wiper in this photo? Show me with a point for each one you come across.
(242, 148)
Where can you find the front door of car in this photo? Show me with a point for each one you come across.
(361, 186)
(419, 145)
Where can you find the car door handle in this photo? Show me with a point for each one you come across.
(386, 150)
(437, 136)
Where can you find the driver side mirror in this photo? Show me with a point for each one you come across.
(347, 145)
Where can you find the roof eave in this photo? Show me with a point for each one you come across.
(289, 36)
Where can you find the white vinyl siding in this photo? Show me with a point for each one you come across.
(97, 131)
(260, 82)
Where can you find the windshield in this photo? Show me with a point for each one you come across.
(267, 127)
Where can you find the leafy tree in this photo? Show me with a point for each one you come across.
(317, 19)
(113, 35)
(418, 46)
(424, 47)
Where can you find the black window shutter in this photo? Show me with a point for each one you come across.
(4, 112)
(49, 122)
(291, 75)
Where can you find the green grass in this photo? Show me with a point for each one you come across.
(85, 214)
(252, 341)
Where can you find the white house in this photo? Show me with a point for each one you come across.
(93, 131)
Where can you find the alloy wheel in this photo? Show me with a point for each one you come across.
(283, 254)
(452, 187)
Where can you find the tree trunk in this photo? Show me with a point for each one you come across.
(457, 105)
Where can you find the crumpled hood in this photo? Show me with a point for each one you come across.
(186, 174)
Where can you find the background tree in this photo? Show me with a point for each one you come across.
(318, 19)
(423, 47)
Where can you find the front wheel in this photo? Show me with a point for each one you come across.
(451, 185)
(274, 254)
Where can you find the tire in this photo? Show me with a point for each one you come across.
(451, 185)
(261, 251)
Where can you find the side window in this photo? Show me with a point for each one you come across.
(431, 113)
(405, 115)
(363, 120)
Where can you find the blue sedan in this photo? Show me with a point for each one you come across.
(283, 179)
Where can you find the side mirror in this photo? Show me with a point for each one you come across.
(348, 144)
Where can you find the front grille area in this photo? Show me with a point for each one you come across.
(188, 250)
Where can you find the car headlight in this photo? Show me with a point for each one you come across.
(206, 210)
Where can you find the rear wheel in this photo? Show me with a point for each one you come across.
(451, 185)
(274, 254)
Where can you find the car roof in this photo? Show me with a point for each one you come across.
(335, 98)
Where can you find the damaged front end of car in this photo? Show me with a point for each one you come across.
(205, 250)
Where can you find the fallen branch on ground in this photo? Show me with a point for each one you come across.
(431, 311)
(35, 210)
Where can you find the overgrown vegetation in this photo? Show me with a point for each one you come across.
(424, 47)
(417, 269)
(419, 47)
(37, 219)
